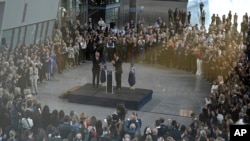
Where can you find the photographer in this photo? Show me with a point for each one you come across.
(121, 111)
(115, 128)
(174, 131)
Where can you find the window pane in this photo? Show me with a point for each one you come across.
(51, 28)
(7, 34)
(38, 33)
(15, 39)
(22, 33)
(111, 14)
(30, 34)
(45, 26)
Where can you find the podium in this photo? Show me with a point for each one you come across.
(109, 87)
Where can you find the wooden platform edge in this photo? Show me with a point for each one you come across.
(65, 94)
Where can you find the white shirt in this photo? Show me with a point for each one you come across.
(27, 123)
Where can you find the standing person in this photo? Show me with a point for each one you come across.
(112, 24)
(118, 71)
(203, 17)
(59, 57)
(97, 61)
(170, 15)
(71, 56)
(21, 73)
(101, 24)
(110, 49)
(123, 47)
(199, 61)
(189, 17)
(34, 78)
(79, 40)
(53, 62)
(76, 51)
(201, 7)
(48, 61)
(141, 46)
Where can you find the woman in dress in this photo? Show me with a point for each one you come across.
(199, 57)
(34, 77)
(48, 62)
(71, 56)
(53, 62)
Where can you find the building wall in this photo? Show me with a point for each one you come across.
(37, 11)
(2, 5)
(27, 21)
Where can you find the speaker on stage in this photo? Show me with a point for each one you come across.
(109, 88)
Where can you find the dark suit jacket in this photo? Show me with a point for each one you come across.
(64, 130)
(96, 63)
(118, 65)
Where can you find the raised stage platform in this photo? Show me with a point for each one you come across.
(133, 99)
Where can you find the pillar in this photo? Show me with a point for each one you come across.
(132, 10)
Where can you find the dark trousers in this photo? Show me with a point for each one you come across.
(96, 75)
(110, 53)
(82, 55)
(118, 79)
(40, 74)
(77, 59)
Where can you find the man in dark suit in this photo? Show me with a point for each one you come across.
(117, 62)
(96, 68)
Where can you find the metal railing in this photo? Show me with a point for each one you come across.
(102, 2)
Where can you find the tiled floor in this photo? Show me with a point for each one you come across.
(176, 93)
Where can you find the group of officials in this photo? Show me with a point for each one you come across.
(97, 64)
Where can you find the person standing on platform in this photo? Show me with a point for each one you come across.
(203, 17)
(117, 62)
(201, 7)
(97, 62)
(189, 17)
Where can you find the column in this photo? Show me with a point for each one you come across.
(132, 10)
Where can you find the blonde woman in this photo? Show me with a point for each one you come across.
(71, 56)
(33, 76)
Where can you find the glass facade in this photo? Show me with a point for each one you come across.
(51, 28)
(15, 38)
(7, 34)
(22, 34)
(111, 14)
(28, 34)
(38, 33)
(44, 32)
(103, 2)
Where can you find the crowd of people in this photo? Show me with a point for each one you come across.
(220, 54)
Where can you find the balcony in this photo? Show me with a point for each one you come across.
(103, 4)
